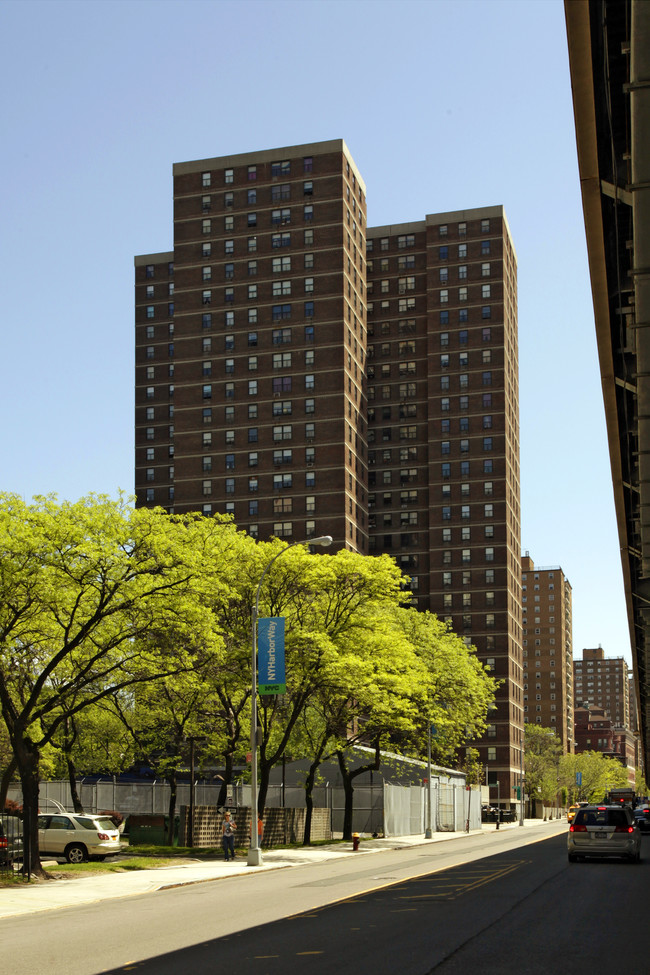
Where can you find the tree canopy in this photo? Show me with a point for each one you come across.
(109, 613)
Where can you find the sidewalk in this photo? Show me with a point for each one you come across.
(87, 890)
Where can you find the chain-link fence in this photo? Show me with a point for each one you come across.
(396, 810)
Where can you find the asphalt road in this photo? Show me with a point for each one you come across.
(493, 904)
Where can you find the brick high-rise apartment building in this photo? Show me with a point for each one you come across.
(603, 682)
(548, 650)
(313, 376)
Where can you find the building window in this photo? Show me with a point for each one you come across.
(281, 265)
(282, 360)
(281, 288)
(280, 311)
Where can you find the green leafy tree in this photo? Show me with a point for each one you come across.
(90, 595)
(640, 784)
(599, 774)
(330, 604)
(458, 694)
(542, 756)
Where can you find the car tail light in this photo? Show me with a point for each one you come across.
(624, 829)
(577, 829)
(3, 842)
(103, 836)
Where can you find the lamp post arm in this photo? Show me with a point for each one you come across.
(266, 571)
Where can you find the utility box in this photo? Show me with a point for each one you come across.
(147, 830)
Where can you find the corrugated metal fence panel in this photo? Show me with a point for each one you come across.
(397, 810)
(446, 813)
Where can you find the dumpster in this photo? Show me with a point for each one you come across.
(147, 830)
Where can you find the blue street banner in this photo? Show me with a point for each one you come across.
(270, 655)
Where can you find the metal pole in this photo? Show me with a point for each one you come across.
(427, 832)
(521, 781)
(191, 830)
(254, 858)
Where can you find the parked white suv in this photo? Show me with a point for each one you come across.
(77, 838)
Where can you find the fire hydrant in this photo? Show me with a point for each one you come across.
(356, 839)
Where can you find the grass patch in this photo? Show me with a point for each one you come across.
(174, 852)
(10, 878)
(122, 865)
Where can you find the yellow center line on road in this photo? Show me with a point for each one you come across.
(472, 882)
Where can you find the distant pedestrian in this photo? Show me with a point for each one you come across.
(260, 831)
(228, 837)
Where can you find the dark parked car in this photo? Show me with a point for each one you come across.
(11, 841)
(642, 818)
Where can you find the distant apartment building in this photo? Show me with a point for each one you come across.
(603, 682)
(595, 732)
(310, 375)
(548, 649)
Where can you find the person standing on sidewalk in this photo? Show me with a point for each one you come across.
(228, 837)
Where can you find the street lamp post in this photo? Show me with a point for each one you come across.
(254, 852)
(521, 781)
(427, 832)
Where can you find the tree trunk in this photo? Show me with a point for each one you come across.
(348, 777)
(171, 809)
(348, 791)
(309, 788)
(69, 738)
(5, 782)
(309, 801)
(27, 757)
(72, 779)
(265, 777)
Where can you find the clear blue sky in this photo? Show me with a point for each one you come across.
(444, 105)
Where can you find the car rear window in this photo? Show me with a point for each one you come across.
(100, 823)
(601, 817)
(103, 823)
